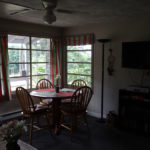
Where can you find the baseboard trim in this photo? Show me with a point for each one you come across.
(96, 115)
(10, 113)
(9, 116)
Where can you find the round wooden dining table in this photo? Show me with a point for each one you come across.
(57, 98)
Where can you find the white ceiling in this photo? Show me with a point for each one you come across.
(86, 11)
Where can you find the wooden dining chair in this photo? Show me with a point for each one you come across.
(78, 83)
(76, 108)
(75, 84)
(45, 84)
(32, 111)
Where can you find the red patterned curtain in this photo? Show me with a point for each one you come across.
(5, 90)
(55, 59)
(79, 40)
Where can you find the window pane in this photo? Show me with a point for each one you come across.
(79, 56)
(35, 79)
(20, 42)
(38, 69)
(80, 47)
(40, 56)
(40, 43)
(16, 56)
(71, 78)
(79, 68)
(19, 70)
(23, 82)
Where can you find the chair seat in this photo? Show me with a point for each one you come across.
(46, 102)
(38, 107)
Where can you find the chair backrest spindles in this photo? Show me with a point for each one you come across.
(44, 84)
(25, 100)
(81, 98)
(78, 83)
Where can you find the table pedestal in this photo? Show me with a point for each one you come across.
(56, 114)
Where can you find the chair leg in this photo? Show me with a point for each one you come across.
(75, 123)
(48, 122)
(72, 126)
(61, 120)
(86, 122)
(38, 121)
(31, 128)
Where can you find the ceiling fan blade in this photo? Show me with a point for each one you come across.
(20, 11)
(67, 11)
(64, 11)
(23, 6)
(13, 8)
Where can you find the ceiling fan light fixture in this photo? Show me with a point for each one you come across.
(50, 20)
(49, 17)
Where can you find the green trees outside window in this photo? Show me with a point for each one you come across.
(28, 62)
(79, 63)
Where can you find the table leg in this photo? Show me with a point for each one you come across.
(56, 114)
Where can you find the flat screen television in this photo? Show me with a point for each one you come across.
(136, 55)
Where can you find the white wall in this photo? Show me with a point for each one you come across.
(118, 32)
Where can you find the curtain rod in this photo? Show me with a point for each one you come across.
(77, 35)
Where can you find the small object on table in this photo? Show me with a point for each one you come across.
(57, 89)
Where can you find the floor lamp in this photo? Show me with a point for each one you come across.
(103, 41)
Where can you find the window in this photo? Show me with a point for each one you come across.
(79, 63)
(29, 60)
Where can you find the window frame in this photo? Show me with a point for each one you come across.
(30, 63)
(92, 64)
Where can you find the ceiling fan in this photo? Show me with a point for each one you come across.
(49, 6)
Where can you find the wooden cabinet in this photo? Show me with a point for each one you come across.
(134, 110)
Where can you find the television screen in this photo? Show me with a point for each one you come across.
(136, 55)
